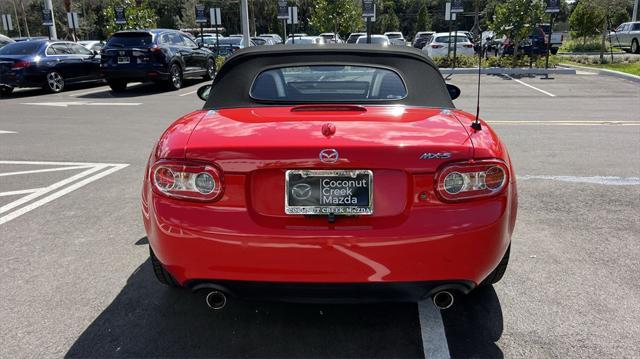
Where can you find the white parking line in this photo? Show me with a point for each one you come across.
(533, 87)
(93, 172)
(6, 132)
(188, 93)
(100, 89)
(43, 170)
(81, 103)
(23, 191)
(566, 123)
(434, 339)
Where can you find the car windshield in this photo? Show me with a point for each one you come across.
(374, 40)
(332, 83)
(20, 48)
(446, 39)
(394, 36)
(130, 39)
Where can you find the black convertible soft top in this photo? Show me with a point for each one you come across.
(424, 83)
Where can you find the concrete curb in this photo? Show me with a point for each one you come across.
(509, 71)
(605, 72)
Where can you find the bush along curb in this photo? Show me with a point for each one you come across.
(509, 71)
(606, 72)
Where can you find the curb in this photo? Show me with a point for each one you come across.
(606, 72)
(509, 71)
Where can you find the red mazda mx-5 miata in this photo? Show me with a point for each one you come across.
(329, 173)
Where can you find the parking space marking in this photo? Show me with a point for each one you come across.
(603, 180)
(434, 338)
(567, 123)
(22, 191)
(6, 132)
(530, 86)
(188, 93)
(43, 170)
(97, 90)
(81, 103)
(41, 196)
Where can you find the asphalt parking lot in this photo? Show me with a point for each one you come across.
(76, 280)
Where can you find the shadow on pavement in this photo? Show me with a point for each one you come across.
(140, 89)
(147, 319)
(36, 91)
(474, 324)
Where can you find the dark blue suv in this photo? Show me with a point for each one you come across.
(159, 55)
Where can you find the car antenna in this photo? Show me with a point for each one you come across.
(476, 123)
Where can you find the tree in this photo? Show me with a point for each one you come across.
(424, 21)
(585, 20)
(515, 18)
(341, 16)
(138, 17)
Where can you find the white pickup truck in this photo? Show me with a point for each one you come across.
(626, 37)
(556, 37)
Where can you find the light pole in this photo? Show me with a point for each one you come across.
(635, 11)
(52, 28)
(244, 19)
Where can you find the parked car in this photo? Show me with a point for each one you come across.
(331, 38)
(21, 39)
(353, 37)
(557, 38)
(234, 43)
(382, 40)
(5, 40)
(51, 65)
(305, 40)
(267, 39)
(92, 45)
(626, 37)
(396, 38)
(306, 177)
(439, 45)
(159, 55)
(421, 38)
(534, 44)
(276, 38)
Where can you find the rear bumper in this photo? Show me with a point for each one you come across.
(21, 79)
(453, 244)
(136, 74)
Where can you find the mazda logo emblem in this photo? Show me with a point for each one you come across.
(329, 155)
(301, 191)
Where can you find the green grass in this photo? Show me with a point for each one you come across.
(633, 69)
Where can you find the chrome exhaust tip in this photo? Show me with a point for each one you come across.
(216, 300)
(443, 299)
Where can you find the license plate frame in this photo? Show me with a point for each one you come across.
(124, 60)
(307, 177)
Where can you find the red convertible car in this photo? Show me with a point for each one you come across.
(329, 173)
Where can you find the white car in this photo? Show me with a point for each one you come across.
(353, 37)
(331, 38)
(439, 45)
(375, 39)
(92, 45)
(627, 37)
(396, 38)
(305, 40)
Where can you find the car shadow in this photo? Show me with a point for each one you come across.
(37, 91)
(474, 324)
(147, 319)
(138, 90)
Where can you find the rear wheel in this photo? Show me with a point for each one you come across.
(54, 82)
(5, 90)
(117, 86)
(498, 273)
(162, 275)
(634, 46)
(175, 77)
(211, 69)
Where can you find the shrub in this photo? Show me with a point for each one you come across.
(593, 44)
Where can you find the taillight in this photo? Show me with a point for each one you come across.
(468, 46)
(460, 181)
(19, 65)
(155, 48)
(435, 46)
(195, 181)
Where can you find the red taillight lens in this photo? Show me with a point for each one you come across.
(435, 46)
(461, 181)
(468, 46)
(195, 181)
(19, 65)
(155, 48)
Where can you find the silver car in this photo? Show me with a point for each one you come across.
(626, 37)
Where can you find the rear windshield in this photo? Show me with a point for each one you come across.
(374, 40)
(130, 39)
(394, 36)
(231, 41)
(332, 83)
(446, 39)
(21, 48)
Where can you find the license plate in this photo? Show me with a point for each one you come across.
(320, 192)
(123, 60)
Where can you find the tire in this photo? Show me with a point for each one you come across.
(5, 90)
(211, 70)
(117, 86)
(162, 275)
(175, 77)
(634, 46)
(54, 82)
(497, 274)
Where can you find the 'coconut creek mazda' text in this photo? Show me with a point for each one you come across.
(339, 173)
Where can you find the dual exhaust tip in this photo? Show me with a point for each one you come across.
(217, 300)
